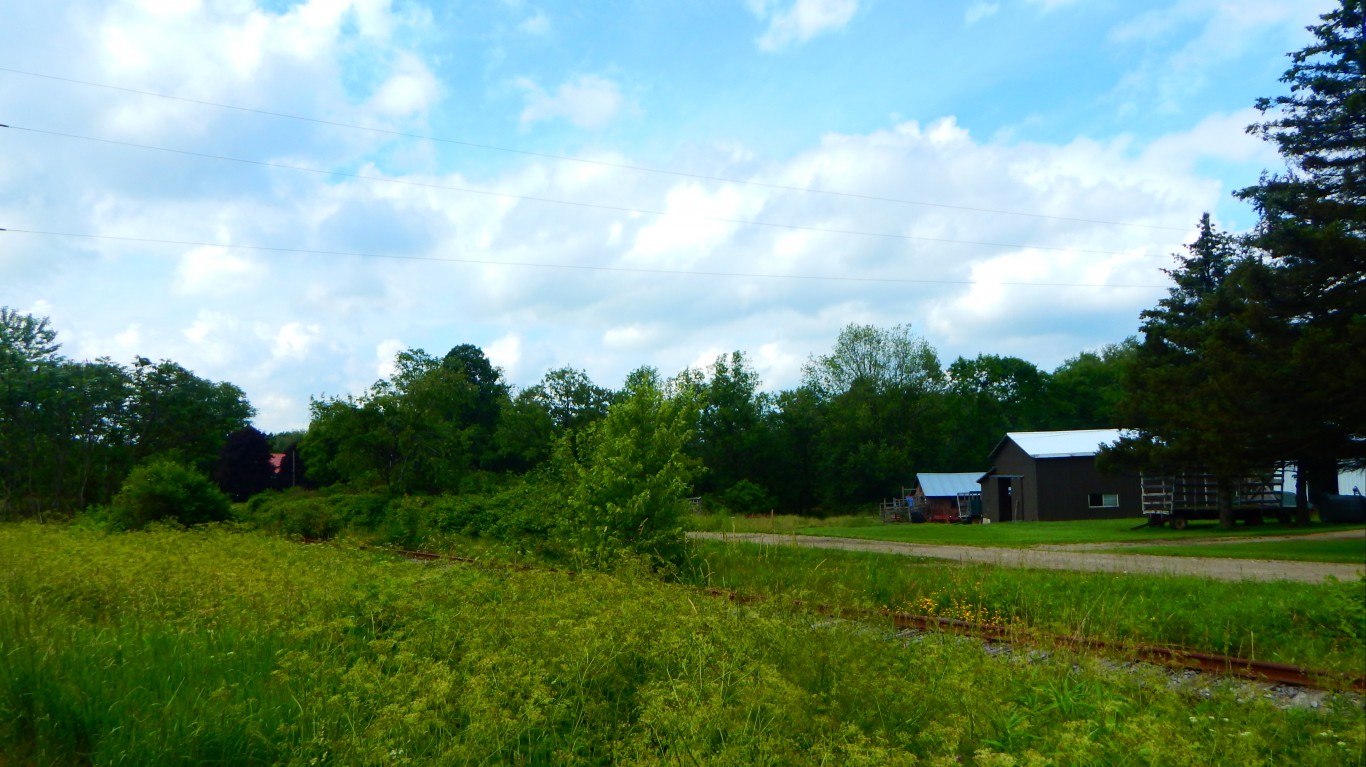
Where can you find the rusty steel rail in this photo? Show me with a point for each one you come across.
(1175, 657)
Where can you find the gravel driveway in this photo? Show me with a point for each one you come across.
(1093, 559)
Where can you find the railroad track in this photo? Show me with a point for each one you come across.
(1172, 657)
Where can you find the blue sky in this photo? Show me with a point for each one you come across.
(1097, 130)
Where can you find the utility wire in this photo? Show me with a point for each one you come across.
(579, 267)
(555, 201)
(587, 161)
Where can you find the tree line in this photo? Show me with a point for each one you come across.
(867, 416)
(71, 431)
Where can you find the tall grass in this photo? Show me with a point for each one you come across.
(213, 647)
(722, 522)
(1321, 626)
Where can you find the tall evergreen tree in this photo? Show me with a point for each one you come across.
(1196, 391)
(1313, 226)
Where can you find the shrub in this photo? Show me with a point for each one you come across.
(627, 477)
(166, 490)
(312, 514)
(745, 497)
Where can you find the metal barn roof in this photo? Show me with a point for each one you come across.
(939, 485)
(1062, 444)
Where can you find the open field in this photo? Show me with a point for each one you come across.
(1348, 551)
(1036, 533)
(185, 648)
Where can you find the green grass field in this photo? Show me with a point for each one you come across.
(189, 648)
(1345, 551)
(1315, 625)
(1036, 533)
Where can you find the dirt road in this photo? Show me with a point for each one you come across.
(1094, 559)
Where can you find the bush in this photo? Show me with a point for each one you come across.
(166, 490)
(745, 497)
(311, 514)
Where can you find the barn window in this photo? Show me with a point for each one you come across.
(1103, 500)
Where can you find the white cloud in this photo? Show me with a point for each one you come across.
(1165, 79)
(538, 25)
(238, 52)
(287, 325)
(385, 352)
(214, 338)
(588, 102)
(217, 270)
(411, 89)
(294, 340)
(506, 353)
(980, 10)
(799, 20)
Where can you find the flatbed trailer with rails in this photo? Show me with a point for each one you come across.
(1176, 498)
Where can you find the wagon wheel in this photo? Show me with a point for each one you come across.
(1178, 523)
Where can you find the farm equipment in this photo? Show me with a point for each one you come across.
(1176, 499)
(901, 509)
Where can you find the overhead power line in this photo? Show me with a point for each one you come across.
(578, 267)
(590, 161)
(555, 201)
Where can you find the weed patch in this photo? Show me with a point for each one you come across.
(211, 646)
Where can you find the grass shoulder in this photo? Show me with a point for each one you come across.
(1021, 534)
(1346, 551)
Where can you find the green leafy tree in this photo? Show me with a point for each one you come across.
(878, 392)
(564, 400)
(572, 399)
(1086, 391)
(419, 431)
(884, 359)
(481, 412)
(174, 412)
(788, 453)
(986, 397)
(166, 490)
(25, 339)
(730, 423)
(628, 478)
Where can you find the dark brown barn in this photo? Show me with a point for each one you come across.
(1049, 476)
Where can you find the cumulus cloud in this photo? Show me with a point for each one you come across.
(411, 89)
(385, 352)
(506, 353)
(590, 101)
(540, 285)
(217, 270)
(294, 340)
(798, 21)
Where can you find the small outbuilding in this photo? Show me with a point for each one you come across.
(1041, 476)
(942, 497)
